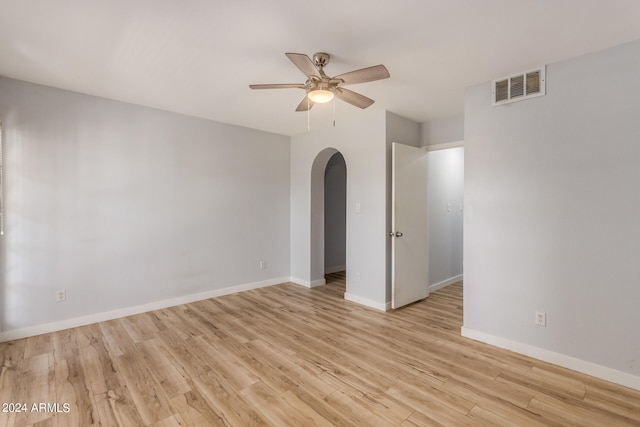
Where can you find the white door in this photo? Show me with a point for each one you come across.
(409, 256)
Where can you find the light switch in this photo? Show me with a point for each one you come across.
(357, 207)
(448, 207)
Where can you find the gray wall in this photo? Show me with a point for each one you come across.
(446, 193)
(552, 208)
(123, 205)
(335, 215)
(362, 143)
(440, 131)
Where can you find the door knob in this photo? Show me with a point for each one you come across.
(397, 234)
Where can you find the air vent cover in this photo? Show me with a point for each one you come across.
(518, 87)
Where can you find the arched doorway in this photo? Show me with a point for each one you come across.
(335, 218)
(317, 213)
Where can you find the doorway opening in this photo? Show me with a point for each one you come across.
(335, 220)
(446, 197)
(328, 241)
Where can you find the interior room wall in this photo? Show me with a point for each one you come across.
(551, 216)
(122, 205)
(362, 144)
(446, 194)
(335, 215)
(443, 130)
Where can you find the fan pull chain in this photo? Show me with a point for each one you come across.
(308, 116)
(334, 111)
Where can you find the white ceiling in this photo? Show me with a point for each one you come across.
(197, 57)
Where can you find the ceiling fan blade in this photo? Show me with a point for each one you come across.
(353, 98)
(277, 86)
(304, 63)
(305, 104)
(369, 74)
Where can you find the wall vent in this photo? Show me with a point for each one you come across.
(517, 87)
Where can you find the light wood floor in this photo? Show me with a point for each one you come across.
(291, 356)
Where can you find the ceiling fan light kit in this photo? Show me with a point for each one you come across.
(321, 88)
(320, 96)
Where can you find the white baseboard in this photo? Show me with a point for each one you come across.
(444, 283)
(129, 311)
(366, 302)
(335, 269)
(300, 282)
(579, 365)
(319, 282)
(306, 283)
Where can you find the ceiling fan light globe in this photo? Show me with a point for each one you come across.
(320, 96)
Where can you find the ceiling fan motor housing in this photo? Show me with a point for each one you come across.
(324, 84)
(321, 59)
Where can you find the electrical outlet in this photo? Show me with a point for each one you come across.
(263, 265)
(61, 295)
(541, 318)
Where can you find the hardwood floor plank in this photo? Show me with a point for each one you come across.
(12, 365)
(617, 402)
(302, 378)
(571, 414)
(116, 338)
(35, 346)
(189, 415)
(536, 380)
(289, 355)
(232, 409)
(489, 394)
(435, 418)
(72, 385)
(355, 406)
(224, 364)
(148, 397)
(183, 356)
(172, 381)
(429, 400)
(274, 407)
(172, 421)
(36, 385)
(307, 411)
(482, 416)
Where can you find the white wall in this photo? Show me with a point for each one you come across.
(123, 205)
(446, 192)
(362, 144)
(552, 210)
(335, 215)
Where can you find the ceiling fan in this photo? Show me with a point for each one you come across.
(321, 88)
